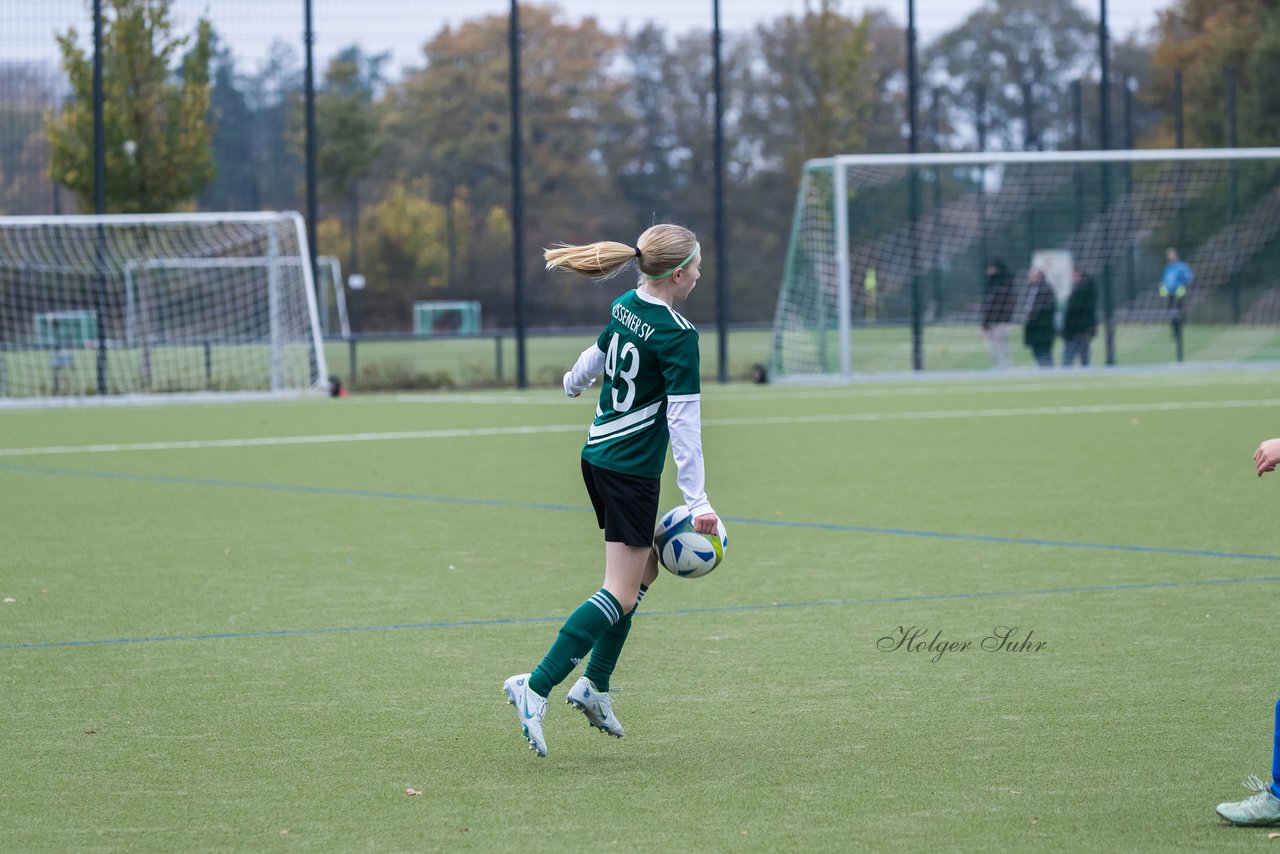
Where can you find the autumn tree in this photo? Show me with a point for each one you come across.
(155, 128)
(1202, 38)
(348, 120)
(463, 143)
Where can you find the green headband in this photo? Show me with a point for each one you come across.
(696, 248)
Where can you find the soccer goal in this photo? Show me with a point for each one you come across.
(104, 307)
(886, 268)
(332, 292)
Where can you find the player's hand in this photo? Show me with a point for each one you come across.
(710, 523)
(1267, 455)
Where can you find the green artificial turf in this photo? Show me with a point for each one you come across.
(256, 627)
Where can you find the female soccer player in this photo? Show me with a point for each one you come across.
(648, 354)
(1262, 808)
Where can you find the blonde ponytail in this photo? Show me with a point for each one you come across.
(599, 260)
(659, 251)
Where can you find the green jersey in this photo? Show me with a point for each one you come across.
(650, 358)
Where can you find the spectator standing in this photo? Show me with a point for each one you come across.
(1080, 321)
(1038, 331)
(998, 303)
(1175, 280)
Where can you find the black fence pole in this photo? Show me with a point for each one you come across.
(917, 309)
(517, 196)
(1104, 143)
(1179, 142)
(1233, 181)
(100, 196)
(980, 122)
(1077, 126)
(722, 236)
(309, 96)
(1029, 144)
(1029, 141)
(1130, 264)
(935, 122)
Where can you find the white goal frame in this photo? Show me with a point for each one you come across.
(295, 259)
(840, 166)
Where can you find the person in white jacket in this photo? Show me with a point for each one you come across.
(650, 395)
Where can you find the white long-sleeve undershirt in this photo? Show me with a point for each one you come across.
(684, 422)
(584, 371)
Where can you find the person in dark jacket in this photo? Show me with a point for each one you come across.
(998, 303)
(1080, 322)
(1037, 331)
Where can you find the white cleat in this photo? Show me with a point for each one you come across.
(530, 709)
(1261, 809)
(584, 697)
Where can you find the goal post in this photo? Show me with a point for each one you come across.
(886, 265)
(103, 307)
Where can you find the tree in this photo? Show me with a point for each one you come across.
(155, 128)
(571, 112)
(274, 95)
(809, 96)
(884, 79)
(404, 239)
(234, 186)
(643, 160)
(1202, 38)
(1023, 55)
(460, 142)
(26, 95)
(347, 126)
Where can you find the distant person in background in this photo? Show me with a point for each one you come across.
(1038, 331)
(1175, 280)
(1080, 322)
(61, 362)
(998, 303)
(1262, 808)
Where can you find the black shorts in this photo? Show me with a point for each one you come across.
(626, 505)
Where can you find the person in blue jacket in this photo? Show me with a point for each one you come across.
(1175, 280)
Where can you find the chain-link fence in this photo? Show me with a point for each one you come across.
(412, 112)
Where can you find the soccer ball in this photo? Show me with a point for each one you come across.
(682, 550)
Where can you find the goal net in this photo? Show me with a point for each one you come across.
(103, 306)
(888, 261)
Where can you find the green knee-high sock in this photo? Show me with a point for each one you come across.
(604, 655)
(576, 637)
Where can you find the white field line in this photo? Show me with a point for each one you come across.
(267, 441)
(470, 432)
(801, 393)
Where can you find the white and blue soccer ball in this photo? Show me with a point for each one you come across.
(682, 550)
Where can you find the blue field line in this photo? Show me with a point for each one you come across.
(722, 609)
(1019, 541)
(531, 505)
(284, 487)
